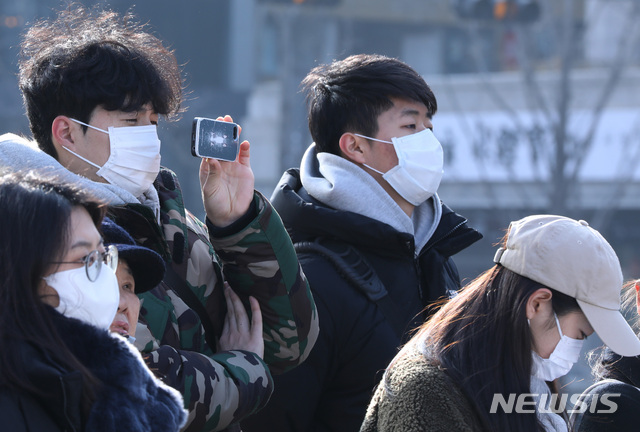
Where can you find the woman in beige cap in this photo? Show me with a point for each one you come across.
(487, 359)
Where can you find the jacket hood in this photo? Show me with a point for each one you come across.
(343, 185)
(307, 218)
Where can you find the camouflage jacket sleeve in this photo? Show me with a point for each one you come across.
(260, 261)
(217, 388)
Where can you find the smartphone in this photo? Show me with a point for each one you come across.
(215, 139)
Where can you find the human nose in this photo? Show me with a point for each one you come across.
(147, 118)
(145, 121)
(123, 305)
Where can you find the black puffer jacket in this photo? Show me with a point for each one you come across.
(129, 400)
(332, 388)
(612, 404)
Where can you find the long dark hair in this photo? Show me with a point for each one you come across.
(35, 230)
(482, 341)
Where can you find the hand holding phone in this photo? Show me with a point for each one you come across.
(227, 186)
(215, 139)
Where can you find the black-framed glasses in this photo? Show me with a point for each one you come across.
(94, 260)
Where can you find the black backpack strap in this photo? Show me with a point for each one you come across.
(357, 271)
(179, 285)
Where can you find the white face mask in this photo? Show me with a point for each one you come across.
(420, 166)
(561, 360)
(95, 302)
(134, 160)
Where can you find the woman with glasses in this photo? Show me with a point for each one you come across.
(60, 368)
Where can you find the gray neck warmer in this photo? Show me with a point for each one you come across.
(19, 154)
(343, 185)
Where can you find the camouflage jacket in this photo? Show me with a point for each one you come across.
(219, 388)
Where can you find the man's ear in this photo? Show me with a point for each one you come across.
(353, 148)
(63, 131)
(538, 302)
(637, 287)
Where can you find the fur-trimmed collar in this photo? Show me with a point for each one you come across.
(130, 399)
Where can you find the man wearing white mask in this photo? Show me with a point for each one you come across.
(95, 85)
(371, 233)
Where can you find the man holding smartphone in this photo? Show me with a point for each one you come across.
(372, 236)
(95, 85)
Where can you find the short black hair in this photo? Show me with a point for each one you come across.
(348, 96)
(86, 58)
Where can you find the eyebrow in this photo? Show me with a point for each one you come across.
(143, 109)
(129, 271)
(136, 111)
(412, 112)
(84, 243)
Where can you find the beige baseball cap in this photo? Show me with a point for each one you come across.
(573, 258)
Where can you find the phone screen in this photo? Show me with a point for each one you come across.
(215, 139)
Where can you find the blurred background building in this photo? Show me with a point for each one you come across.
(539, 100)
